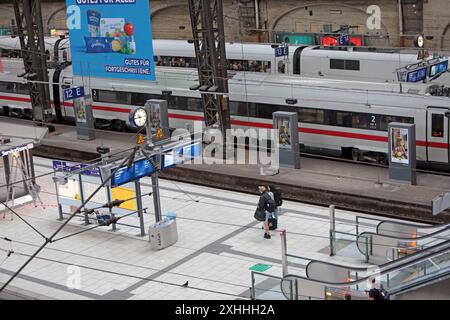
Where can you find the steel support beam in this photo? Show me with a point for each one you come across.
(209, 43)
(31, 34)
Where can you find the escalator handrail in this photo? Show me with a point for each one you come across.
(367, 234)
(409, 224)
(401, 261)
(445, 248)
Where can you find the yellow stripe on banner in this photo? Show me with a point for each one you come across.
(123, 194)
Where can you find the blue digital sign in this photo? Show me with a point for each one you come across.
(143, 168)
(139, 169)
(438, 68)
(417, 75)
(111, 38)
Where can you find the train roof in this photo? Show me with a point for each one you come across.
(403, 57)
(283, 81)
(242, 51)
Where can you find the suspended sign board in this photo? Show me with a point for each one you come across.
(111, 38)
(70, 167)
(139, 169)
(417, 75)
(438, 68)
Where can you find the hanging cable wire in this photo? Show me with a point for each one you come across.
(20, 217)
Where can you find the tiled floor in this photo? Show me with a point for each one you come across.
(218, 240)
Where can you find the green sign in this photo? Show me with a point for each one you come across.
(295, 39)
(260, 267)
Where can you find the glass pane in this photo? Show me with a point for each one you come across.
(437, 125)
(352, 65)
(337, 64)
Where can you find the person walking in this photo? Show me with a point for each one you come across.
(267, 205)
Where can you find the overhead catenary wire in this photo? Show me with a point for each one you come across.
(20, 217)
(48, 240)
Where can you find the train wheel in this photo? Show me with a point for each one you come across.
(118, 125)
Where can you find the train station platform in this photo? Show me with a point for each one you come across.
(346, 185)
(219, 244)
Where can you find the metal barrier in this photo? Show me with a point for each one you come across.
(270, 293)
(367, 243)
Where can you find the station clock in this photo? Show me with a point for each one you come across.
(138, 117)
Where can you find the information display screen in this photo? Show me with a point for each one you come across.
(143, 168)
(417, 75)
(438, 68)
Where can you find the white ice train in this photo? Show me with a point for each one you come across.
(345, 97)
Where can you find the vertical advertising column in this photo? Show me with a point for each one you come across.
(402, 152)
(158, 115)
(110, 39)
(287, 125)
(82, 109)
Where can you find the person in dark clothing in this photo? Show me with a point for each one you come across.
(262, 205)
(376, 292)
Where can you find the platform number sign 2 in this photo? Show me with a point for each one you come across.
(373, 122)
(73, 93)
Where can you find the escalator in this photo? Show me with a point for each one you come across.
(393, 242)
(421, 275)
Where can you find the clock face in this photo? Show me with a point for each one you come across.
(140, 117)
(420, 41)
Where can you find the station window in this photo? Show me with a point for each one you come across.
(437, 125)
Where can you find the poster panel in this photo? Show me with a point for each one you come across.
(284, 132)
(399, 146)
(111, 38)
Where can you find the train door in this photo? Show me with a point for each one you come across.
(438, 138)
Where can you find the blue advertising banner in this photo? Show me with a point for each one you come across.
(111, 38)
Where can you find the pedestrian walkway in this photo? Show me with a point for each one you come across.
(219, 241)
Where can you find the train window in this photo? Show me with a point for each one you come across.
(352, 65)
(139, 99)
(437, 125)
(360, 121)
(14, 87)
(311, 115)
(251, 65)
(123, 97)
(341, 64)
(194, 104)
(3, 86)
(239, 109)
(265, 110)
(113, 96)
(338, 64)
(181, 62)
(385, 120)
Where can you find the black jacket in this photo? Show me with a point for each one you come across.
(262, 201)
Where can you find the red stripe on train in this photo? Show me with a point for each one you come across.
(332, 133)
